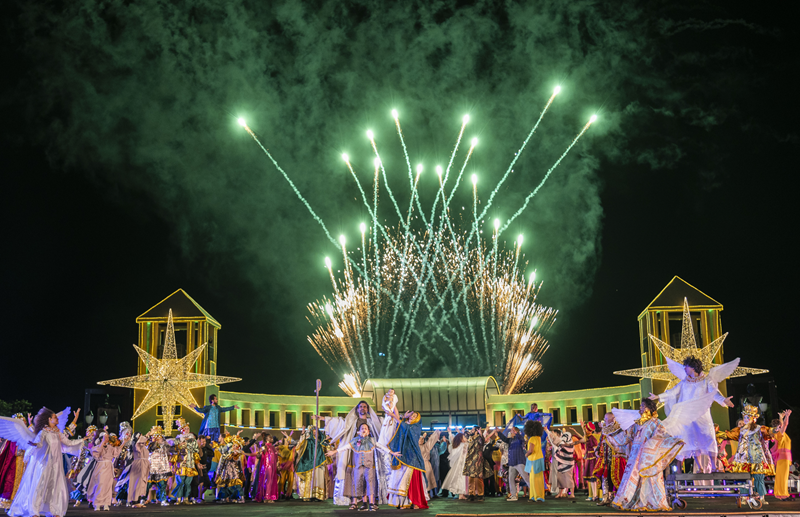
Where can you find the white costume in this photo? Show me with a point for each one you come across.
(454, 482)
(343, 430)
(389, 426)
(697, 434)
(43, 488)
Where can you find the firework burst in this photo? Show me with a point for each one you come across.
(425, 291)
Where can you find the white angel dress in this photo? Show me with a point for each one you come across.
(43, 489)
(649, 445)
(698, 434)
(454, 482)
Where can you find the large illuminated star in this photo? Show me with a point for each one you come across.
(169, 379)
(688, 348)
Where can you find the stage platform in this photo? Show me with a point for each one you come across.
(716, 507)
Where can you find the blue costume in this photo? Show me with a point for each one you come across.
(210, 425)
(545, 418)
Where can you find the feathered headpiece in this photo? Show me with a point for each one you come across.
(751, 411)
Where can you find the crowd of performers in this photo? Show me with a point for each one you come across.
(362, 461)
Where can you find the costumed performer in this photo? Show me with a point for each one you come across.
(211, 421)
(533, 472)
(752, 454)
(101, 488)
(122, 465)
(407, 482)
(476, 468)
(426, 446)
(343, 430)
(610, 465)
(139, 471)
(455, 482)
(43, 488)
(230, 473)
(698, 435)
(266, 489)
(188, 456)
(311, 472)
(517, 457)
(649, 447)
(12, 465)
(783, 454)
(365, 461)
(160, 468)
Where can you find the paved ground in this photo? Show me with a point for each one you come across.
(444, 507)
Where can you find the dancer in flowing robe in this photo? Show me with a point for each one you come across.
(342, 430)
(12, 464)
(311, 472)
(101, 488)
(407, 482)
(698, 435)
(266, 490)
(783, 455)
(649, 447)
(43, 488)
(139, 472)
(455, 482)
(610, 465)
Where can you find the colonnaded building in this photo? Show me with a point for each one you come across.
(441, 402)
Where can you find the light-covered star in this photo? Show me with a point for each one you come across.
(688, 348)
(169, 379)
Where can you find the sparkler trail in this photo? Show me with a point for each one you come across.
(419, 293)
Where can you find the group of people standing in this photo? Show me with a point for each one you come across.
(363, 461)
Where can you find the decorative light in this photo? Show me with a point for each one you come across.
(169, 379)
(687, 348)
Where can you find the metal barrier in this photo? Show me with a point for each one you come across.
(719, 484)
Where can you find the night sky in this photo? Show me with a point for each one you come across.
(127, 177)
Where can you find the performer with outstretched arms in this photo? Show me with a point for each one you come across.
(211, 421)
(698, 435)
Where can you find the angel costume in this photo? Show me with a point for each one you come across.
(649, 446)
(43, 489)
(342, 430)
(698, 435)
(101, 487)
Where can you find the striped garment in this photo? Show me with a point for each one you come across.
(564, 456)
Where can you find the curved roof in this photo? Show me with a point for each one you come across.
(447, 395)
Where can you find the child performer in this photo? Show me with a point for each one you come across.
(365, 479)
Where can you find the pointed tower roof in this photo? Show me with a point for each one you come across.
(183, 306)
(671, 298)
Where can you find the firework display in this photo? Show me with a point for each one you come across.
(430, 289)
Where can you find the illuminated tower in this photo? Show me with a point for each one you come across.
(193, 327)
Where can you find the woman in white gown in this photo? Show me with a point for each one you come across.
(43, 489)
(454, 482)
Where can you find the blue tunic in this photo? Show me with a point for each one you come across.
(211, 418)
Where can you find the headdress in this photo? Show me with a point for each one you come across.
(157, 430)
(113, 440)
(751, 411)
(91, 429)
(181, 424)
(590, 426)
(414, 418)
(125, 428)
(19, 416)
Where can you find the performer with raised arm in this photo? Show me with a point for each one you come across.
(752, 454)
(698, 435)
(407, 483)
(43, 489)
(365, 460)
(342, 430)
(211, 421)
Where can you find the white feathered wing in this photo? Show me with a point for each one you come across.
(14, 429)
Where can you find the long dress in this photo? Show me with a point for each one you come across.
(454, 481)
(342, 430)
(139, 471)
(783, 460)
(649, 450)
(285, 470)
(43, 489)
(8, 472)
(311, 481)
(425, 450)
(592, 450)
(101, 487)
(267, 488)
(407, 482)
(536, 464)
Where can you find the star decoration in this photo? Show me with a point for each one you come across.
(688, 348)
(169, 379)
